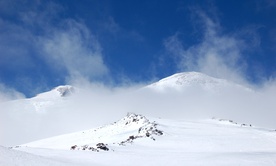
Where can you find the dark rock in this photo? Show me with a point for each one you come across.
(93, 149)
(84, 147)
(102, 146)
(74, 147)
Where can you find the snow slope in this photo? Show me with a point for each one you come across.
(9, 157)
(51, 113)
(187, 80)
(42, 101)
(122, 132)
(202, 142)
(134, 139)
(25, 117)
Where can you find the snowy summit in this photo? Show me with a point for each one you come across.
(188, 80)
(135, 139)
(60, 91)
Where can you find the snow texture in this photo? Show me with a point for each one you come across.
(122, 132)
(203, 142)
(138, 140)
(186, 80)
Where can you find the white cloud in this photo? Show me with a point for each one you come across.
(75, 49)
(111, 26)
(7, 94)
(71, 47)
(40, 39)
(97, 105)
(15, 45)
(217, 54)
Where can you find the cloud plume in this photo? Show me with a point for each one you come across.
(75, 50)
(7, 94)
(70, 52)
(95, 104)
(43, 42)
(217, 54)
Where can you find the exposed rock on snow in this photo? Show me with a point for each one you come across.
(145, 128)
(99, 146)
(126, 130)
(233, 122)
(102, 146)
(65, 90)
(60, 91)
(202, 142)
(148, 129)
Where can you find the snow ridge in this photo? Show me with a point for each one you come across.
(202, 142)
(141, 126)
(65, 90)
(60, 91)
(185, 80)
(122, 132)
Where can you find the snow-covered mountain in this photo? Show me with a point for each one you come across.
(137, 140)
(189, 80)
(122, 132)
(27, 116)
(44, 111)
(60, 91)
(178, 82)
(42, 101)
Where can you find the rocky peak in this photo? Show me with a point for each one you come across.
(65, 90)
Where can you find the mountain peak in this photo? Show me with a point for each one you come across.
(60, 91)
(134, 119)
(185, 80)
(120, 133)
(65, 90)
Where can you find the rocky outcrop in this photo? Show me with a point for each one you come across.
(143, 126)
(66, 90)
(233, 122)
(97, 148)
(147, 129)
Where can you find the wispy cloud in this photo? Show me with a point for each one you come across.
(66, 46)
(217, 54)
(7, 94)
(264, 5)
(111, 26)
(41, 39)
(95, 105)
(75, 49)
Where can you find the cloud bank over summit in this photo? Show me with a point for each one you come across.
(217, 54)
(43, 45)
(46, 44)
(94, 105)
(57, 47)
(7, 94)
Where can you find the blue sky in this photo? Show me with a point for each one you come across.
(44, 44)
